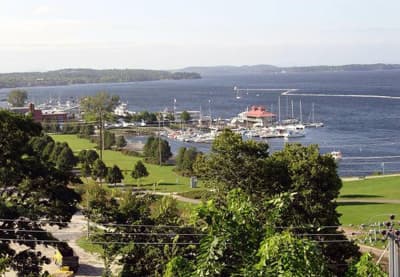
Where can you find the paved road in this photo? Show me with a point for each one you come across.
(89, 264)
(174, 195)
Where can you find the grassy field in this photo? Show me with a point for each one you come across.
(353, 212)
(366, 213)
(382, 187)
(368, 190)
(163, 176)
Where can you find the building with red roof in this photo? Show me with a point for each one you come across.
(258, 115)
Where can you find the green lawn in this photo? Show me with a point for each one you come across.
(383, 187)
(366, 213)
(164, 176)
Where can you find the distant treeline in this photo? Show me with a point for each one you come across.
(265, 68)
(86, 76)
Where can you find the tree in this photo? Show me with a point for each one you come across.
(66, 160)
(185, 116)
(86, 130)
(17, 97)
(88, 156)
(185, 160)
(121, 142)
(86, 171)
(234, 163)
(99, 170)
(99, 108)
(114, 175)
(109, 140)
(366, 266)
(292, 256)
(156, 150)
(139, 171)
(32, 189)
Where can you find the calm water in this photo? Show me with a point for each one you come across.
(365, 130)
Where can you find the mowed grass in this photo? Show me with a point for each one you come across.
(357, 213)
(382, 187)
(164, 178)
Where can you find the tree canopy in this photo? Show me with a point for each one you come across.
(156, 150)
(31, 188)
(17, 97)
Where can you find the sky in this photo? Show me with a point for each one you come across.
(40, 35)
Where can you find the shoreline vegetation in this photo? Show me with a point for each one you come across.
(64, 77)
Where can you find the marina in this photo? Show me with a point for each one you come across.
(354, 125)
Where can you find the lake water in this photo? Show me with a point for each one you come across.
(366, 129)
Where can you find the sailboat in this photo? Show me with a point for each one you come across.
(313, 124)
(237, 92)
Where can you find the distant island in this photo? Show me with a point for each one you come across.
(86, 76)
(265, 68)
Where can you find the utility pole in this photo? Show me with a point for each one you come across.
(88, 214)
(159, 137)
(394, 237)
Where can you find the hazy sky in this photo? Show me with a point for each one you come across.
(167, 34)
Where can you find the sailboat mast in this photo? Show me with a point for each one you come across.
(279, 109)
(313, 118)
(301, 114)
(292, 110)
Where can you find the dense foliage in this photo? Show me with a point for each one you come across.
(311, 177)
(17, 97)
(156, 150)
(32, 188)
(185, 160)
(86, 76)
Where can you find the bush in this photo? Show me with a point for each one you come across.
(197, 194)
(132, 153)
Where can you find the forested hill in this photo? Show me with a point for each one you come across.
(265, 68)
(86, 76)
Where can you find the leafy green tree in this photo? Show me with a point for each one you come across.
(114, 175)
(156, 149)
(236, 163)
(366, 266)
(102, 207)
(109, 140)
(185, 160)
(86, 130)
(170, 117)
(233, 234)
(32, 189)
(86, 171)
(17, 97)
(48, 149)
(91, 156)
(178, 267)
(139, 171)
(121, 142)
(284, 254)
(99, 170)
(179, 158)
(166, 211)
(99, 107)
(66, 160)
(185, 116)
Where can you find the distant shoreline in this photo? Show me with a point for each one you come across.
(65, 77)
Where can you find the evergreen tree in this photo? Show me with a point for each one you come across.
(139, 171)
(114, 175)
(66, 160)
(86, 171)
(99, 170)
(121, 142)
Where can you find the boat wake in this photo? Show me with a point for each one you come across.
(292, 92)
